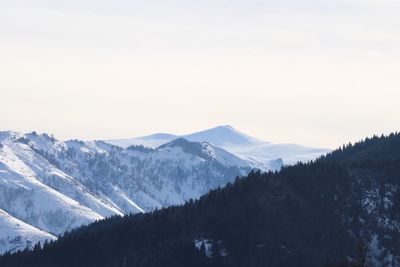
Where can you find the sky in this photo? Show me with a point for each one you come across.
(314, 72)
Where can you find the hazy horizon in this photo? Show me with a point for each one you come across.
(144, 134)
(311, 72)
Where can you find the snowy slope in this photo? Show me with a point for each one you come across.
(17, 235)
(263, 154)
(170, 174)
(24, 196)
(55, 186)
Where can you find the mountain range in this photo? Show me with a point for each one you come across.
(48, 186)
(234, 141)
(342, 209)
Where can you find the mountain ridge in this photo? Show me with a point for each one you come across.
(236, 142)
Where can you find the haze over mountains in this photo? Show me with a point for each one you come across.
(49, 186)
(234, 141)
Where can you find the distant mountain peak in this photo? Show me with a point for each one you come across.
(226, 126)
(222, 135)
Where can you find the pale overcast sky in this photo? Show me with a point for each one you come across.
(314, 72)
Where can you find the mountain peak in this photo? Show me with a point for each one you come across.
(222, 127)
(194, 148)
(222, 135)
(226, 126)
(181, 142)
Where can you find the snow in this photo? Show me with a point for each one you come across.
(20, 186)
(208, 247)
(17, 235)
(369, 201)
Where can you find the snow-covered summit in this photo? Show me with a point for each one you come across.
(222, 136)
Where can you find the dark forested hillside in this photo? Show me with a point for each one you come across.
(341, 210)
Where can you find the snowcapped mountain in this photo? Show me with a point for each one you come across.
(17, 235)
(260, 152)
(54, 186)
(224, 136)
